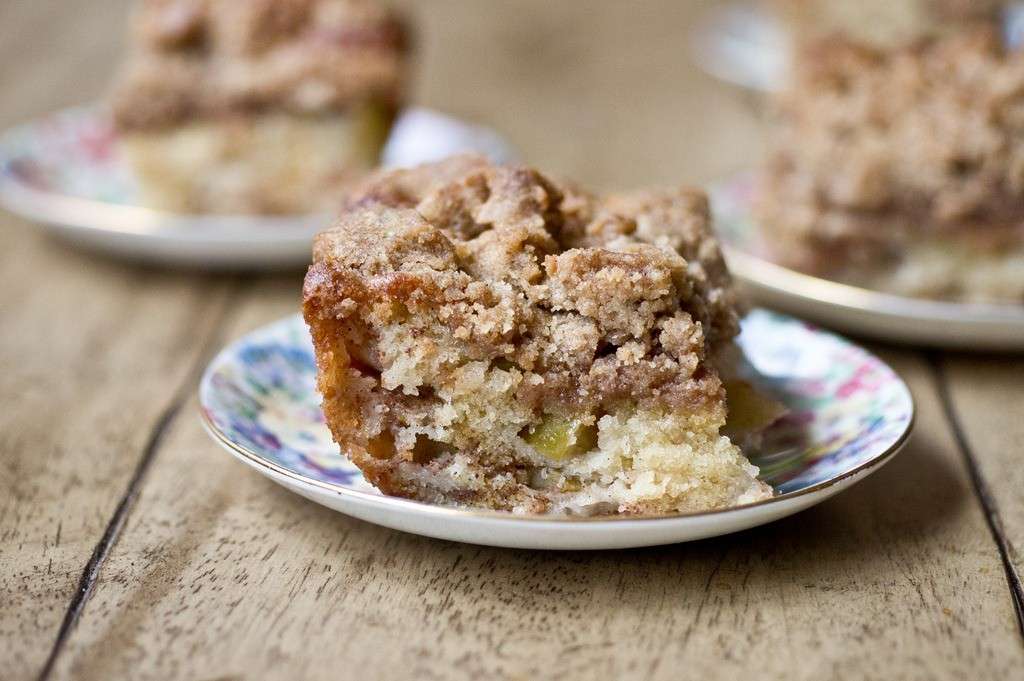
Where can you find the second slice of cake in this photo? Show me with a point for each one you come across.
(902, 169)
(488, 337)
(261, 106)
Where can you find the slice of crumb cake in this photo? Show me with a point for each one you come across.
(487, 337)
(902, 169)
(261, 106)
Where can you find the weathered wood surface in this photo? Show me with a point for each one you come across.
(205, 570)
(986, 401)
(605, 92)
(95, 355)
(226, 575)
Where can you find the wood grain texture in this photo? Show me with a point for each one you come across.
(219, 574)
(94, 354)
(54, 53)
(985, 396)
(91, 353)
(225, 575)
(604, 91)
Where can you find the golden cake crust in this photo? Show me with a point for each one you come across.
(467, 196)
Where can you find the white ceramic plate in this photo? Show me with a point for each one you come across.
(852, 309)
(64, 172)
(742, 43)
(849, 413)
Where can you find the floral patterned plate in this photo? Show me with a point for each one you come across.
(970, 326)
(849, 413)
(65, 172)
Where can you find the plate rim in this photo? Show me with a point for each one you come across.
(706, 32)
(979, 327)
(759, 271)
(258, 461)
(109, 218)
(84, 216)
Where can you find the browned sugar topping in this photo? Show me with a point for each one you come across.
(928, 137)
(596, 300)
(884, 22)
(208, 58)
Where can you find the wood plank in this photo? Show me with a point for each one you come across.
(222, 574)
(93, 352)
(985, 395)
(54, 55)
(607, 94)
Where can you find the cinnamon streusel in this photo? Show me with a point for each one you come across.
(257, 106)
(486, 336)
(882, 23)
(903, 169)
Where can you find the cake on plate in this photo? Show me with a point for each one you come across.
(489, 337)
(902, 169)
(262, 106)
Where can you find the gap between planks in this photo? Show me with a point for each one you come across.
(112, 533)
(981, 489)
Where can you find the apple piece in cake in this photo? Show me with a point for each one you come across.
(487, 337)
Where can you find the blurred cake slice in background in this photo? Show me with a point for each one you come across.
(882, 23)
(488, 337)
(902, 169)
(261, 106)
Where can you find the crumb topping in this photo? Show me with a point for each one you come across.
(884, 22)
(591, 299)
(215, 57)
(877, 144)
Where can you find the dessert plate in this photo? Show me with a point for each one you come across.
(744, 44)
(852, 309)
(849, 413)
(64, 172)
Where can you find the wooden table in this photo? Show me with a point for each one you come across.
(132, 547)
